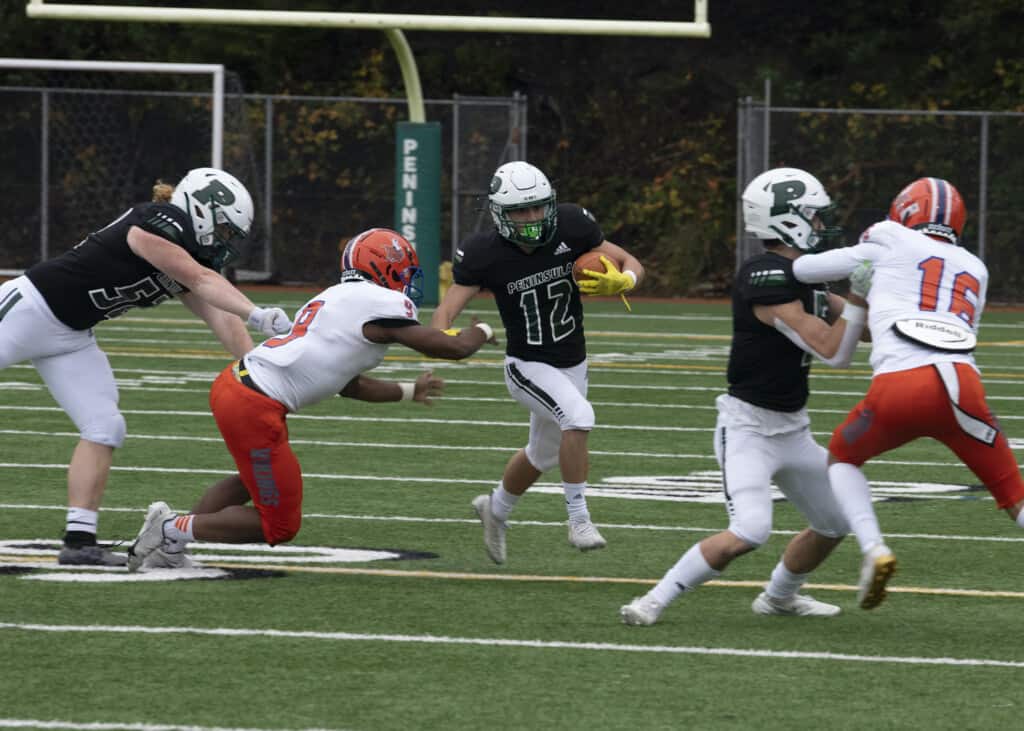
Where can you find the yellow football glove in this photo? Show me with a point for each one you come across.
(453, 331)
(610, 281)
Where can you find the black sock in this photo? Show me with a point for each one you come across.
(79, 538)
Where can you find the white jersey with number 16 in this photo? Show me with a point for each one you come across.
(917, 281)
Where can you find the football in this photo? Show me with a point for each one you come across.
(592, 261)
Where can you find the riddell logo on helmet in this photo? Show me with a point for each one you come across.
(394, 253)
(908, 210)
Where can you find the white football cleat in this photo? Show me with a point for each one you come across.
(151, 535)
(585, 536)
(877, 568)
(642, 611)
(798, 605)
(163, 559)
(494, 529)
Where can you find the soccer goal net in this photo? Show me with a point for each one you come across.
(86, 140)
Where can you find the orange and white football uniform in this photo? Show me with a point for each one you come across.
(322, 353)
(922, 386)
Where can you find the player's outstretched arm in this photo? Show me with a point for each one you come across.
(831, 344)
(431, 341)
(455, 300)
(228, 328)
(426, 387)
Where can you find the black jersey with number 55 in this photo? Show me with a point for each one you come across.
(102, 278)
(537, 298)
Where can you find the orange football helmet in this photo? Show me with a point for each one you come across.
(384, 257)
(932, 206)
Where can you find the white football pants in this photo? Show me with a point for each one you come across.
(557, 400)
(70, 362)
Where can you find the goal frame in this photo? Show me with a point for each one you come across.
(216, 72)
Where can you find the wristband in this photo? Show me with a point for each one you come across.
(632, 276)
(488, 332)
(854, 314)
(408, 390)
(253, 320)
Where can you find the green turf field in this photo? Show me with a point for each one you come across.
(432, 635)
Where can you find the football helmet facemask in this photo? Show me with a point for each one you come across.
(517, 186)
(932, 206)
(221, 211)
(790, 205)
(384, 257)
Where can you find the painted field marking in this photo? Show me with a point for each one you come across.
(496, 642)
(38, 559)
(103, 726)
(141, 511)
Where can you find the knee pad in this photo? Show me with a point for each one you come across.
(543, 457)
(751, 530)
(580, 415)
(107, 429)
(831, 527)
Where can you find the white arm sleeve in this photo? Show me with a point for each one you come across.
(831, 266)
(854, 317)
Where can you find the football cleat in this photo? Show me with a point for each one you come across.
(162, 559)
(494, 529)
(641, 612)
(90, 555)
(151, 535)
(798, 605)
(585, 536)
(877, 568)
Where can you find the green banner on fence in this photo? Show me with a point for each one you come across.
(418, 196)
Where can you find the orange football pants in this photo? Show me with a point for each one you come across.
(255, 432)
(905, 405)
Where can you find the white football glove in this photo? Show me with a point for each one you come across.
(269, 320)
(860, 279)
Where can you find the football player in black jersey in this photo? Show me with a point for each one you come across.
(526, 262)
(763, 430)
(173, 246)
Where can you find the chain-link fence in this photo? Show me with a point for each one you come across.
(865, 156)
(320, 169)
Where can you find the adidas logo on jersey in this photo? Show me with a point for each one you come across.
(562, 249)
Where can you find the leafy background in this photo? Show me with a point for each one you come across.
(643, 132)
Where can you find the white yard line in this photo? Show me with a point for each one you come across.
(518, 424)
(496, 642)
(500, 448)
(141, 510)
(101, 726)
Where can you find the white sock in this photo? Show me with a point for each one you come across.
(853, 493)
(690, 571)
(1020, 518)
(179, 530)
(575, 503)
(784, 583)
(502, 502)
(82, 520)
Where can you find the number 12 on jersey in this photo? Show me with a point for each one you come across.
(559, 295)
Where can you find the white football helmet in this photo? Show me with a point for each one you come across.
(221, 211)
(518, 185)
(790, 205)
